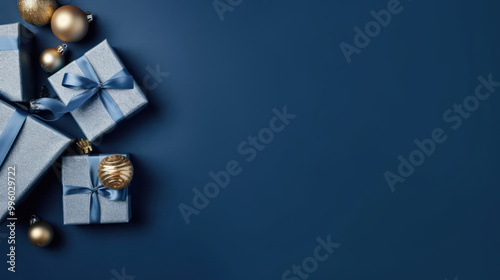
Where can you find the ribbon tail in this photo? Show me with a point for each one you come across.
(110, 105)
(50, 109)
(95, 209)
(80, 99)
(121, 80)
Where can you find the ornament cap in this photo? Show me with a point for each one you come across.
(34, 109)
(84, 146)
(34, 219)
(90, 16)
(62, 49)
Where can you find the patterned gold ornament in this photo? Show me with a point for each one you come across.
(40, 233)
(70, 24)
(37, 12)
(115, 172)
(84, 146)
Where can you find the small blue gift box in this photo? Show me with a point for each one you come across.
(97, 90)
(16, 71)
(85, 199)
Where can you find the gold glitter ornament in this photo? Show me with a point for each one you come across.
(37, 12)
(70, 24)
(115, 172)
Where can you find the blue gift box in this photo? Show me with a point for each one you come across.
(95, 83)
(16, 71)
(85, 199)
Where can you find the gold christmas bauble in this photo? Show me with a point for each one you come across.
(37, 12)
(52, 59)
(115, 172)
(70, 24)
(40, 233)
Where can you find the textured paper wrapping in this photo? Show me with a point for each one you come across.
(35, 149)
(76, 207)
(92, 117)
(16, 71)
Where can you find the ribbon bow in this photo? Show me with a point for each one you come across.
(94, 86)
(96, 189)
(10, 132)
(9, 43)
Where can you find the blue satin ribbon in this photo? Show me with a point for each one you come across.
(90, 82)
(9, 43)
(10, 133)
(97, 188)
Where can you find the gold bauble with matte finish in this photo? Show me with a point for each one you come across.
(40, 233)
(70, 24)
(52, 59)
(115, 172)
(37, 12)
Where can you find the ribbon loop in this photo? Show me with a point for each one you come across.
(74, 81)
(120, 81)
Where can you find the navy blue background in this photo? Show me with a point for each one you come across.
(323, 175)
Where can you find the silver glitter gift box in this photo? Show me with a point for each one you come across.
(16, 71)
(35, 149)
(93, 117)
(76, 174)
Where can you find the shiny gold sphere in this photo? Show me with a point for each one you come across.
(69, 24)
(37, 12)
(52, 60)
(40, 234)
(115, 172)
